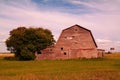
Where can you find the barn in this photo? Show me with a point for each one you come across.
(74, 42)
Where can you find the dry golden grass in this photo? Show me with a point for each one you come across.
(6, 55)
(113, 55)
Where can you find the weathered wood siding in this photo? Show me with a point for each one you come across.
(74, 42)
(77, 42)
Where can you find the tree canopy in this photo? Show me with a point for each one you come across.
(24, 42)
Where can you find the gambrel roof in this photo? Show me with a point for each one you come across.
(84, 29)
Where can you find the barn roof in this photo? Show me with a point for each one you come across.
(84, 29)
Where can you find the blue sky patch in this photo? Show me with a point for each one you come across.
(63, 6)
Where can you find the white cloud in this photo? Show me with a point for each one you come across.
(32, 17)
(2, 33)
(106, 6)
(2, 41)
(118, 42)
(103, 40)
(26, 13)
(107, 44)
(3, 48)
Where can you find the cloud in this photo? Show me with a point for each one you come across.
(2, 41)
(3, 47)
(32, 17)
(103, 6)
(103, 40)
(2, 34)
(103, 20)
(107, 44)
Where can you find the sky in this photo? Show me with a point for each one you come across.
(102, 17)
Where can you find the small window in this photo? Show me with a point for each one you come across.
(50, 49)
(76, 43)
(65, 53)
(69, 37)
(73, 36)
(39, 52)
(75, 29)
(61, 48)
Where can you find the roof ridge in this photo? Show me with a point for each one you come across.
(84, 29)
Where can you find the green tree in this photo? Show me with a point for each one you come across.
(24, 42)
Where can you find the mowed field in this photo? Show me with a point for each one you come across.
(107, 68)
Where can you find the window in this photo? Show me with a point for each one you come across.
(75, 29)
(50, 49)
(65, 53)
(69, 37)
(39, 52)
(76, 43)
(61, 48)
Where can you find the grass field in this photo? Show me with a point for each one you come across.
(107, 68)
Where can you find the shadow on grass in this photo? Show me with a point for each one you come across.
(11, 58)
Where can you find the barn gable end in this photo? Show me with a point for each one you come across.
(74, 42)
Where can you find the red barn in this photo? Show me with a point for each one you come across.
(74, 42)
